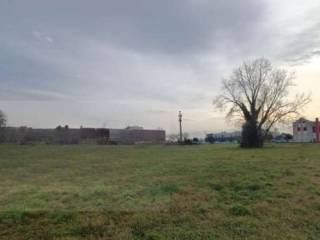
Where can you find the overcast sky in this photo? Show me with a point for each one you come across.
(114, 63)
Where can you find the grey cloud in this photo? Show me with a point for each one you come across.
(303, 59)
(31, 95)
(169, 26)
(53, 46)
(156, 55)
(302, 43)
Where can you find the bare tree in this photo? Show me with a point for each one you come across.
(3, 121)
(257, 94)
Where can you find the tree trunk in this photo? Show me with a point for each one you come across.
(2, 134)
(251, 135)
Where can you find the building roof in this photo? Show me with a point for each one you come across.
(303, 120)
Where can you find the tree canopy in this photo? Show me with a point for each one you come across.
(258, 95)
(3, 119)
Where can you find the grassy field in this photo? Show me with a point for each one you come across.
(159, 192)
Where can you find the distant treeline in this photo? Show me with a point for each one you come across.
(220, 138)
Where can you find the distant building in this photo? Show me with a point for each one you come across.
(128, 135)
(306, 131)
(133, 135)
(65, 135)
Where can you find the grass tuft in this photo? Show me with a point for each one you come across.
(239, 210)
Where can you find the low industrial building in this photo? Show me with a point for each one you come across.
(137, 136)
(65, 135)
(126, 136)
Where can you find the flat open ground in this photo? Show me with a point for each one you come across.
(159, 192)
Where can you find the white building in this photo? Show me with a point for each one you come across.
(305, 130)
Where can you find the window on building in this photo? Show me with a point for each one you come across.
(314, 129)
(298, 129)
(305, 129)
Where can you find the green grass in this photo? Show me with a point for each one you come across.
(159, 192)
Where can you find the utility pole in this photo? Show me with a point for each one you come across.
(180, 125)
(317, 130)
